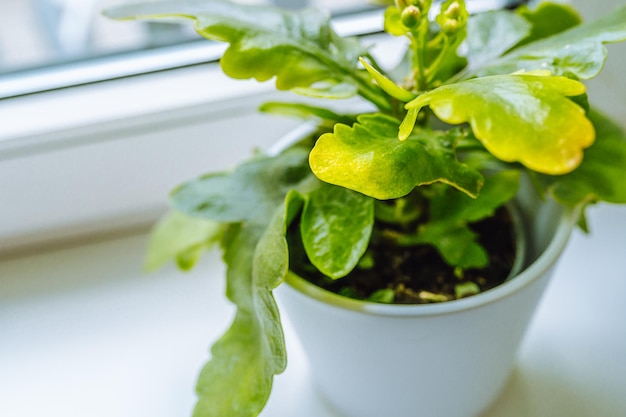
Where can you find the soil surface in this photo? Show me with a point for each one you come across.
(418, 274)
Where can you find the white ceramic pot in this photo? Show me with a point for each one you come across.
(440, 360)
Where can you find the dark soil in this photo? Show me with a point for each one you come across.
(417, 274)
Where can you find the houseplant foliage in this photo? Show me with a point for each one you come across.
(477, 101)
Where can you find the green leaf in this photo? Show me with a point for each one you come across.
(602, 175)
(466, 289)
(238, 379)
(259, 199)
(369, 158)
(250, 193)
(491, 34)
(189, 257)
(455, 207)
(181, 237)
(304, 111)
(328, 90)
(548, 19)
(385, 296)
(450, 213)
(577, 52)
(519, 117)
(298, 48)
(336, 226)
(456, 243)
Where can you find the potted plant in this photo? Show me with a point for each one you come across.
(397, 227)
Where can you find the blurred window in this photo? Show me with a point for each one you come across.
(49, 33)
(48, 44)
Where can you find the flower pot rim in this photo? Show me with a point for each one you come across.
(531, 273)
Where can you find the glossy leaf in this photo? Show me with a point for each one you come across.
(491, 34)
(577, 52)
(298, 48)
(548, 19)
(335, 237)
(250, 193)
(601, 175)
(368, 157)
(520, 117)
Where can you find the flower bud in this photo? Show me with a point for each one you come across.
(423, 5)
(401, 4)
(453, 11)
(410, 16)
(450, 26)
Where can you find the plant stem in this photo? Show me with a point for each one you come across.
(372, 94)
(432, 70)
(420, 45)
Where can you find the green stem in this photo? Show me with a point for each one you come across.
(421, 37)
(365, 88)
(400, 239)
(372, 94)
(432, 70)
(458, 76)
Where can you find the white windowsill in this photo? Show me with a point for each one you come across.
(84, 332)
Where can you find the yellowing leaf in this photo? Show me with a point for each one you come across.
(368, 157)
(601, 176)
(523, 118)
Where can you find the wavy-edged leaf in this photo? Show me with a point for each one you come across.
(298, 48)
(334, 236)
(179, 235)
(250, 193)
(238, 379)
(548, 19)
(602, 175)
(369, 158)
(523, 118)
(491, 34)
(578, 52)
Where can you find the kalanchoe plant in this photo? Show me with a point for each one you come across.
(477, 102)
